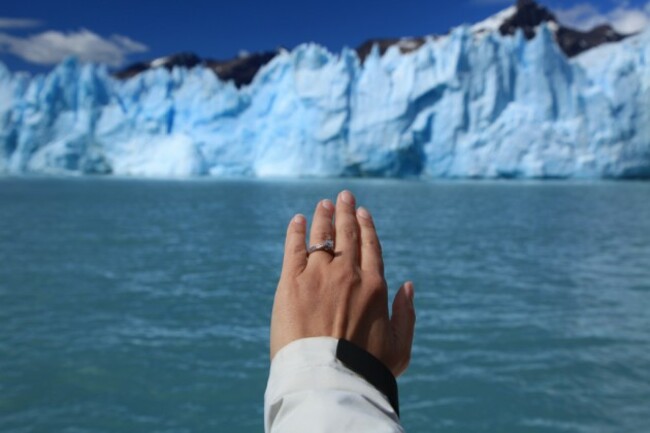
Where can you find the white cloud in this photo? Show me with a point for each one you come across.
(129, 44)
(18, 23)
(623, 18)
(630, 20)
(51, 47)
(582, 16)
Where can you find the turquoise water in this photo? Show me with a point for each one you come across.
(143, 306)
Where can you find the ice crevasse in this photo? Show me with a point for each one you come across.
(459, 106)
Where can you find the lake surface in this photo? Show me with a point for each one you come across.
(143, 306)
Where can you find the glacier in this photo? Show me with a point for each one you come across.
(459, 106)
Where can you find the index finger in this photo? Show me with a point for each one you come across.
(295, 250)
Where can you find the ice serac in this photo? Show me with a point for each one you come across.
(480, 105)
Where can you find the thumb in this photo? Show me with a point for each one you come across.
(403, 323)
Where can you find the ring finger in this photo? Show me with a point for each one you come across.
(322, 230)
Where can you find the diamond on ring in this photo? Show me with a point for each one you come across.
(327, 246)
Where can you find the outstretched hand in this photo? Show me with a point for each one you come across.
(341, 295)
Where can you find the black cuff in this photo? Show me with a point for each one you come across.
(370, 368)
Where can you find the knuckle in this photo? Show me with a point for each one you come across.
(306, 280)
(374, 281)
(322, 234)
(375, 268)
(378, 290)
(350, 232)
(345, 266)
(366, 223)
(347, 276)
(374, 292)
(298, 249)
(372, 243)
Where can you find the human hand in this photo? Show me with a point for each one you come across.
(342, 295)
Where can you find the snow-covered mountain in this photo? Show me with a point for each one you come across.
(502, 98)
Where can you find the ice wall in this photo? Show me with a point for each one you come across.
(459, 106)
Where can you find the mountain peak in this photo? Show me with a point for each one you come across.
(528, 15)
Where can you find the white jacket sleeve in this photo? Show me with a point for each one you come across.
(327, 385)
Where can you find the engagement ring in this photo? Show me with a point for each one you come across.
(327, 246)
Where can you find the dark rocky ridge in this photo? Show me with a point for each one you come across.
(241, 69)
(574, 42)
(406, 45)
(527, 17)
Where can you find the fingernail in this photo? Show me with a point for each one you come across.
(347, 197)
(327, 204)
(299, 219)
(410, 292)
(363, 213)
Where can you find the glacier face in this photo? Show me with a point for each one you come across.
(459, 106)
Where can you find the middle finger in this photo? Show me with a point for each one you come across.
(347, 228)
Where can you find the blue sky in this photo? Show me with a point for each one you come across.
(36, 34)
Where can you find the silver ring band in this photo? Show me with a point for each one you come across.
(327, 246)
